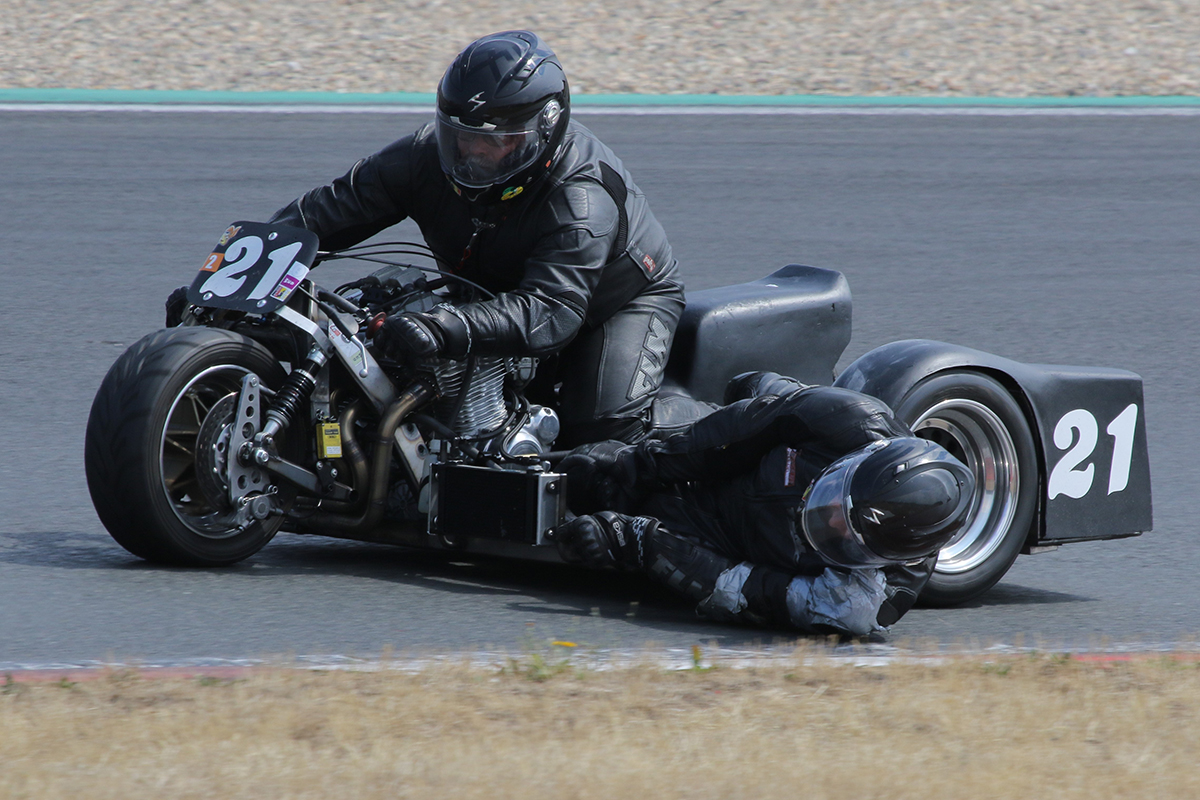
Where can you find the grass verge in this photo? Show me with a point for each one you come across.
(811, 726)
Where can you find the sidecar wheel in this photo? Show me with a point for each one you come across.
(155, 448)
(976, 419)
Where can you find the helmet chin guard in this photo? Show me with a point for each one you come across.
(502, 110)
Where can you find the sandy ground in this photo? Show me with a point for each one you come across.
(1037, 725)
(765, 47)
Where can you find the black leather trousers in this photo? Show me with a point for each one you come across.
(603, 383)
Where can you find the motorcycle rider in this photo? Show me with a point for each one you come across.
(810, 507)
(512, 194)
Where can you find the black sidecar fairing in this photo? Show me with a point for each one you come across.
(1088, 423)
(795, 321)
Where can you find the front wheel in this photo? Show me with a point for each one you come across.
(156, 451)
(978, 421)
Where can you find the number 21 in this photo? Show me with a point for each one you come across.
(1066, 477)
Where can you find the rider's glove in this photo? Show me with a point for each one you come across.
(600, 476)
(176, 304)
(604, 539)
(411, 336)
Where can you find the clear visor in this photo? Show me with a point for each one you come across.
(481, 155)
(825, 517)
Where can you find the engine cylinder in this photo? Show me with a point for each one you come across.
(483, 408)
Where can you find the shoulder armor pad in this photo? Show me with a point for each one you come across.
(577, 201)
(583, 204)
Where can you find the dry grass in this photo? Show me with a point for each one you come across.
(1018, 726)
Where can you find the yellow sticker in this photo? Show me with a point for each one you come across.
(512, 192)
(230, 232)
(329, 440)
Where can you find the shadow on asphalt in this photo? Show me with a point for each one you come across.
(1008, 594)
(552, 591)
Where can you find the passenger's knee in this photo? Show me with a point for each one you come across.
(757, 384)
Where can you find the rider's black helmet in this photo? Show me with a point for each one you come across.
(894, 501)
(502, 110)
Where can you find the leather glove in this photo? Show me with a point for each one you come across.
(604, 540)
(176, 304)
(411, 336)
(600, 476)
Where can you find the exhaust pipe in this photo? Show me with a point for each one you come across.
(376, 482)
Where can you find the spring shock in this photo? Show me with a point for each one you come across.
(296, 388)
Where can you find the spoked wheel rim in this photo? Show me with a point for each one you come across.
(974, 434)
(193, 451)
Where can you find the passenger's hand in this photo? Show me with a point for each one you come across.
(594, 478)
(605, 539)
(582, 541)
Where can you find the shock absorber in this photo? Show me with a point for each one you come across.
(296, 388)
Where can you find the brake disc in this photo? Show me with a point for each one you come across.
(212, 451)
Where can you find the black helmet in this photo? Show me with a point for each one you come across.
(894, 501)
(502, 110)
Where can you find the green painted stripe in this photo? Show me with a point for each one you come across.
(861, 100)
(192, 96)
(151, 96)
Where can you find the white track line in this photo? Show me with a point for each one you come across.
(859, 655)
(637, 111)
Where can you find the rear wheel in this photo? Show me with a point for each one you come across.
(157, 449)
(978, 421)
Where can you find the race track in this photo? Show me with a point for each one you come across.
(1048, 239)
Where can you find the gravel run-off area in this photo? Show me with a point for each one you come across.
(999, 48)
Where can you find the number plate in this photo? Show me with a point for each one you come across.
(254, 267)
(1093, 433)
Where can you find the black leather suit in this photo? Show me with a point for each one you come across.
(591, 291)
(727, 491)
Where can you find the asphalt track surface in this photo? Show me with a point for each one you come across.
(1048, 239)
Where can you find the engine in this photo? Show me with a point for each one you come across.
(472, 399)
(482, 410)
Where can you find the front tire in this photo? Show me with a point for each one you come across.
(974, 417)
(155, 440)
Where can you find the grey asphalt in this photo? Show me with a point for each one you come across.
(1070, 240)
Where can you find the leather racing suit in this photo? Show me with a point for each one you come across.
(719, 509)
(584, 277)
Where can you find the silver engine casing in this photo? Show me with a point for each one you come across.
(483, 410)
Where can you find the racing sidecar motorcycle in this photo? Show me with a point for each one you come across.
(267, 411)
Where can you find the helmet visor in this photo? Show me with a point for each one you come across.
(480, 154)
(825, 517)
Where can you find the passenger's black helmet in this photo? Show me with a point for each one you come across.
(502, 110)
(894, 501)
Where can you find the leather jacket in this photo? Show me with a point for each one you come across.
(749, 464)
(560, 258)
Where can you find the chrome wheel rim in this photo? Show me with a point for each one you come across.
(975, 435)
(180, 456)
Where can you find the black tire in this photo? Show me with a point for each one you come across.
(140, 453)
(976, 418)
